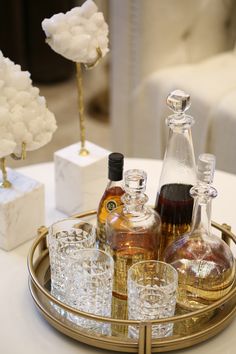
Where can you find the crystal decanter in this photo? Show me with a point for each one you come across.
(205, 263)
(132, 231)
(174, 203)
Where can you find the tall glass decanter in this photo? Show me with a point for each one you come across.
(174, 203)
(205, 263)
(133, 230)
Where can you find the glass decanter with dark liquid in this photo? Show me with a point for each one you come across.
(174, 203)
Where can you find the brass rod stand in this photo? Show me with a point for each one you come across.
(5, 183)
(22, 156)
(83, 151)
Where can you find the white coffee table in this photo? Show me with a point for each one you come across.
(23, 329)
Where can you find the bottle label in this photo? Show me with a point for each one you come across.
(109, 205)
(112, 203)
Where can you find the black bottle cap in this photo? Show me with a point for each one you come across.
(115, 166)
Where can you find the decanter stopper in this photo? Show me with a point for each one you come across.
(178, 101)
(206, 168)
(135, 181)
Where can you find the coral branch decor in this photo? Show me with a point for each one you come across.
(80, 35)
(26, 124)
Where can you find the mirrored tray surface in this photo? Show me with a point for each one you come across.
(189, 328)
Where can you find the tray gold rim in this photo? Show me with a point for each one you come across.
(114, 343)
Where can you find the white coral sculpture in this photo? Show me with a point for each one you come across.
(24, 117)
(80, 35)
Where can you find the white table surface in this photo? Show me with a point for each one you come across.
(24, 330)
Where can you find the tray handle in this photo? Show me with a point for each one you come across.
(145, 338)
(224, 235)
(42, 230)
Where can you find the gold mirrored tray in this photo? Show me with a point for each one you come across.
(189, 328)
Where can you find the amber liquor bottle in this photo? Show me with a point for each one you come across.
(111, 198)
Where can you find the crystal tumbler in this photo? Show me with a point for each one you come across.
(89, 287)
(65, 238)
(152, 287)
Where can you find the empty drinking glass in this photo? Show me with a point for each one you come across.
(65, 238)
(152, 289)
(89, 287)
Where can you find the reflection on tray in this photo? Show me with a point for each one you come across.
(183, 328)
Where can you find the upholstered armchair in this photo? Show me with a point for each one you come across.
(161, 45)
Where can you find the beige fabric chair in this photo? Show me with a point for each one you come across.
(210, 84)
(161, 45)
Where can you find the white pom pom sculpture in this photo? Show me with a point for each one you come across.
(25, 122)
(80, 35)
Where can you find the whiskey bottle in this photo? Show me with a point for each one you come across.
(133, 232)
(174, 203)
(205, 263)
(111, 198)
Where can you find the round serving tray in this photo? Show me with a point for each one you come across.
(189, 328)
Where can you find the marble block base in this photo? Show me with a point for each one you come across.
(21, 210)
(80, 180)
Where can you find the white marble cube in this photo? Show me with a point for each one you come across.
(21, 210)
(80, 180)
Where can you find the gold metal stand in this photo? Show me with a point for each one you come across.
(5, 183)
(83, 151)
(189, 328)
(22, 156)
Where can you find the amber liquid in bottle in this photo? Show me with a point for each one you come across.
(205, 263)
(111, 199)
(128, 248)
(174, 205)
(133, 234)
(205, 270)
